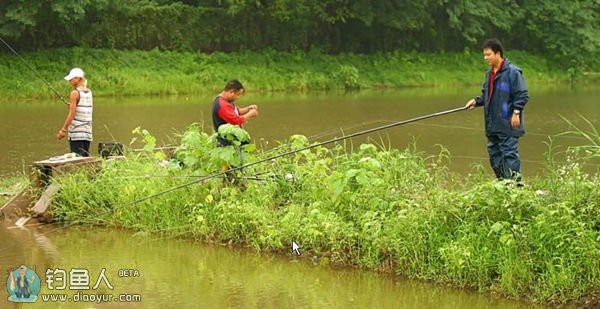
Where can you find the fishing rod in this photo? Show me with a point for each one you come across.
(337, 139)
(342, 129)
(250, 177)
(34, 71)
(326, 133)
(291, 152)
(168, 147)
(223, 173)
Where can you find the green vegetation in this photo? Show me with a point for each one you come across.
(289, 44)
(156, 72)
(360, 26)
(377, 208)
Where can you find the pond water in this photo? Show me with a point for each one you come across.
(174, 273)
(27, 129)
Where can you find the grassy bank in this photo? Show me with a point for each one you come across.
(156, 73)
(384, 209)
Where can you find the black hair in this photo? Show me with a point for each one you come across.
(234, 85)
(494, 45)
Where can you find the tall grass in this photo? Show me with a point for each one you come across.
(591, 136)
(155, 72)
(385, 209)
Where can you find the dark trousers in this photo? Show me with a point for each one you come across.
(81, 148)
(504, 156)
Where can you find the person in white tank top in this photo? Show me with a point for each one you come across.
(78, 125)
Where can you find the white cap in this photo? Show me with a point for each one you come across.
(75, 72)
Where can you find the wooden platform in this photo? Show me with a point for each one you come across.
(33, 203)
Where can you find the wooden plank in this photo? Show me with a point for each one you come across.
(89, 165)
(41, 173)
(42, 205)
(58, 161)
(22, 221)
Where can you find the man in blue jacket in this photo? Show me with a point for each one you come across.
(503, 97)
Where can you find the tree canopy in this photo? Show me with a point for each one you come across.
(567, 29)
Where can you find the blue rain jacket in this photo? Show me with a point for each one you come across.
(509, 93)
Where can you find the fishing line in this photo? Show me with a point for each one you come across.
(34, 71)
(110, 133)
(479, 130)
(521, 159)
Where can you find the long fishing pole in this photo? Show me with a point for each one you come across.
(337, 139)
(34, 71)
(218, 174)
(325, 133)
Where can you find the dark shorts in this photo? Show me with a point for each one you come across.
(81, 148)
(221, 142)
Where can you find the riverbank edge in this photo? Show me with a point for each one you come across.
(13, 184)
(336, 211)
(132, 73)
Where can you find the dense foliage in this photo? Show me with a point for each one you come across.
(563, 28)
(384, 209)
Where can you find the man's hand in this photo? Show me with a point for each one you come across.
(470, 105)
(251, 113)
(515, 121)
(250, 108)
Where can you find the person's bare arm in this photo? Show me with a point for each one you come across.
(73, 100)
(245, 110)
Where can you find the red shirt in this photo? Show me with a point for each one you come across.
(228, 112)
(491, 86)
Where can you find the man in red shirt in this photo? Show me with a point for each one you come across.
(225, 110)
